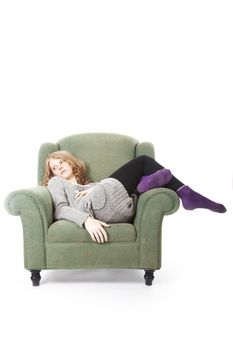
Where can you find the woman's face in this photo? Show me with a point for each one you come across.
(61, 168)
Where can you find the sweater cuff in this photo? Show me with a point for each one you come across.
(83, 218)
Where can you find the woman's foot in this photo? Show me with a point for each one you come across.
(157, 179)
(193, 200)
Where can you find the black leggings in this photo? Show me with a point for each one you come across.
(131, 172)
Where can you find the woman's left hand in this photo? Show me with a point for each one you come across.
(80, 194)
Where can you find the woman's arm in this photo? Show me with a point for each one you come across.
(62, 208)
(79, 194)
(83, 219)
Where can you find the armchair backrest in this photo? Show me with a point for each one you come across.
(102, 153)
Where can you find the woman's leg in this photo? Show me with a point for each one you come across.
(193, 200)
(134, 174)
(131, 173)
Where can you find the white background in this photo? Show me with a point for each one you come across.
(160, 71)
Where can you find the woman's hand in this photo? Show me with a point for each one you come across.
(80, 194)
(95, 229)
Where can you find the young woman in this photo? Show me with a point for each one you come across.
(114, 199)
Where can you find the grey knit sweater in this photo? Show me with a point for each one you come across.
(108, 201)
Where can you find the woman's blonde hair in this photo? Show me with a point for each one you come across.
(78, 166)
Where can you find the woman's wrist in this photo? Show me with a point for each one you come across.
(84, 224)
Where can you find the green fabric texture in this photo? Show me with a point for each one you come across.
(151, 208)
(122, 232)
(103, 153)
(34, 205)
(65, 245)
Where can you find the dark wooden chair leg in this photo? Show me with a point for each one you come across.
(149, 276)
(35, 277)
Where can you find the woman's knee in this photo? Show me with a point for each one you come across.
(143, 157)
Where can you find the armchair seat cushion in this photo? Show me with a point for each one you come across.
(67, 231)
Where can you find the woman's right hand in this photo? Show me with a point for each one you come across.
(80, 194)
(95, 229)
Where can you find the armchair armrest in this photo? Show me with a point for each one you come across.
(35, 207)
(151, 208)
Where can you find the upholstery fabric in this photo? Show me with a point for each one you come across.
(116, 233)
(103, 153)
(50, 244)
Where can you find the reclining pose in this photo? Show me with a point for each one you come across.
(113, 199)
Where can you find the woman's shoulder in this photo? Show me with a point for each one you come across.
(55, 180)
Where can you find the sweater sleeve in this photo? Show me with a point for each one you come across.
(62, 208)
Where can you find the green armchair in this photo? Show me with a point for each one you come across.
(61, 244)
